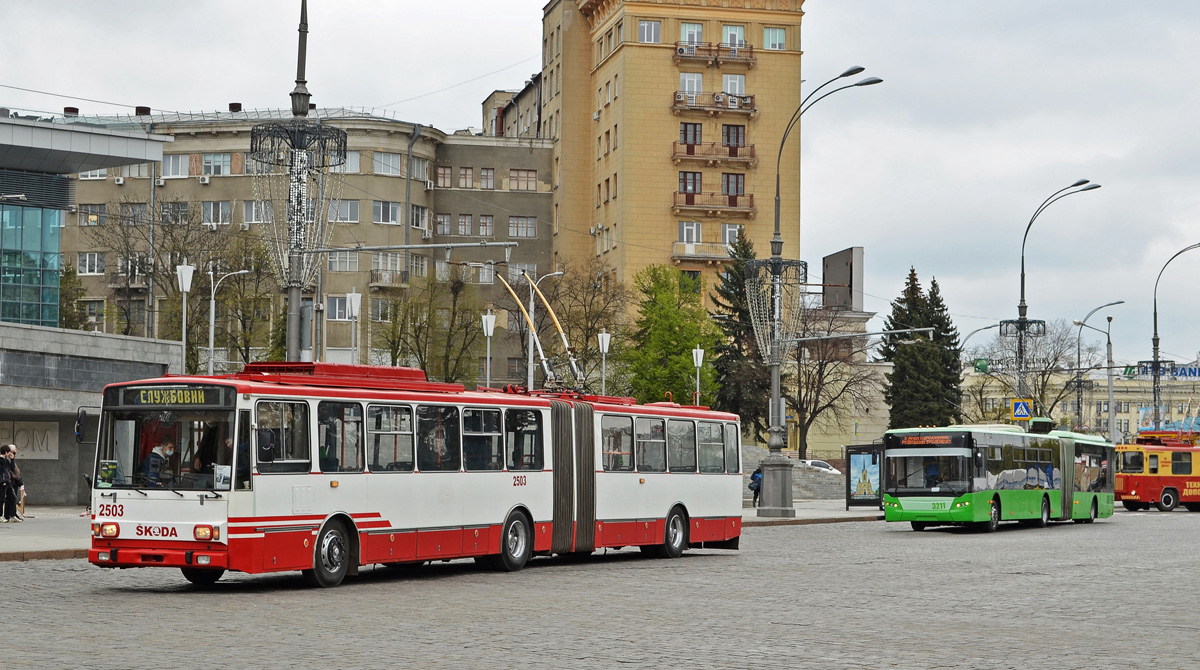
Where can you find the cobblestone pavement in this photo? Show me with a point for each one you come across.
(821, 596)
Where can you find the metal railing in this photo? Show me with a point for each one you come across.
(712, 151)
(714, 201)
(704, 251)
(719, 103)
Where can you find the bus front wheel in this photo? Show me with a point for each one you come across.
(201, 577)
(993, 521)
(331, 558)
(1168, 500)
(917, 525)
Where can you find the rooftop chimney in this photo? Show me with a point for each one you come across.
(235, 106)
(70, 111)
(141, 111)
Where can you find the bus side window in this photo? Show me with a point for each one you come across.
(241, 458)
(616, 443)
(733, 441)
(523, 439)
(1154, 464)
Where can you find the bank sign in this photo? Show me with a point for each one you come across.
(35, 440)
(1168, 369)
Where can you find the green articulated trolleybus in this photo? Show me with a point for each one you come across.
(980, 475)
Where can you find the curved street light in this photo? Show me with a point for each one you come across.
(1112, 410)
(212, 308)
(1154, 341)
(1079, 363)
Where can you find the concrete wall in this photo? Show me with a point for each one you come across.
(46, 375)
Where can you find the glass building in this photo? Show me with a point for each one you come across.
(29, 264)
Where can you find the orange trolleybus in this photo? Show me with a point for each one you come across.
(1158, 471)
(326, 468)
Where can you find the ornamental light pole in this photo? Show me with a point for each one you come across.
(489, 327)
(212, 310)
(1079, 363)
(771, 329)
(184, 274)
(604, 338)
(1112, 410)
(698, 360)
(353, 303)
(1157, 375)
(529, 366)
(1022, 326)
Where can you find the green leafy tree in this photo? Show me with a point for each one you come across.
(740, 370)
(671, 322)
(924, 385)
(71, 314)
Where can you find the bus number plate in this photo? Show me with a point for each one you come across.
(111, 510)
(518, 480)
(940, 505)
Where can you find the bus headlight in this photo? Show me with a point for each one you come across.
(102, 556)
(203, 533)
(202, 560)
(110, 529)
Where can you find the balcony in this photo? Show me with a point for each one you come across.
(736, 54)
(711, 253)
(121, 280)
(388, 279)
(695, 52)
(714, 154)
(713, 104)
(714, 204)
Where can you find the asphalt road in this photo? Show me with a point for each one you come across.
(818, 596)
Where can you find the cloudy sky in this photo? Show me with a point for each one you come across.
(987, 108)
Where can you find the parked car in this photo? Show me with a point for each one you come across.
(822, 466)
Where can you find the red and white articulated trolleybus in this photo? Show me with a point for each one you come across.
(326, 468)
(1158, 471)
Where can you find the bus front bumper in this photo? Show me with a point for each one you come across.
(933, 509)
(144, 557)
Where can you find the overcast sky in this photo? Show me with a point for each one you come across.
(987, 108)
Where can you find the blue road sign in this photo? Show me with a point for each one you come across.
(1022, 410)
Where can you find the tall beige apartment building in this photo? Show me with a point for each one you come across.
(665, 116)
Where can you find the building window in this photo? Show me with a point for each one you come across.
(256, 211)
(649, 32)
(692, 33)
(94, 174)
(215, 164)
(135, 213)
(141, 170)
(466, 177)
(91, 263)
(337, 308)
(487, 273)
(174, 212)
(464, 224)
(343, 261)
(733, 136)
(215, 212)
(381, 309)
(349, 167)
(607, 190)
(729, 233)
(735, 84)
(387, 163)
(689, 232)
(733, 184)
(516, 366)
(614, 180)
(91, 215)
(522, 180)
(94, 309)
(420, 169)
(522, 226)
(174, 165)
(733, 36)
(441, 270)
(441, 224)
(487, 178)
(515, 270)
(343, 211)
(690, 182)
(690, 133)
(392, 261)
(614, 131)
(774, 39)
(616, 86)
(386, 212)
(418, 266)
(419, 216)
(443, 176)
(487, 225)
(691, 83)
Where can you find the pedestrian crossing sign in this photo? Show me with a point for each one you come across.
(1022, 410)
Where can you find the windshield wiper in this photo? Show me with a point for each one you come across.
(172, 490)
(951, 489)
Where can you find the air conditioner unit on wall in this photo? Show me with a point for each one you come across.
(119, 181)
(718, 98)
(596, 115)
(426, 233)
(245, 226)
(680, 97)
(204, 179)
(160, 181)
(428, 184)
(681, 50)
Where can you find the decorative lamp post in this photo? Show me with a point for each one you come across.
(1079, 362)
(1023, 327)
(698, 360)
(184, 273)
(353, 302)
(489, 327)
(212, 310)
(1112, 410)
(604, 337)
(529, 366)
(770, 284)
(1157, 374)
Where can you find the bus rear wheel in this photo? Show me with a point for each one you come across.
(1168, 500)
(331, 557)
(1043, 520)
(1133, 506)
(1192, 507)
(201, 577)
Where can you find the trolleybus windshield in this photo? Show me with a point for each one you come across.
(927, 471)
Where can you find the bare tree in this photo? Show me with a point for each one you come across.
(832, 377)
(247, 298)
(588, 299)
(435, 324)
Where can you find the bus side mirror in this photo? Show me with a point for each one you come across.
(80, 424)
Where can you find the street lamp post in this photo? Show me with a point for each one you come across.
(1157, 376)
(1079, 362)
(353, 303)
(698, 360)
(777, 469)
(529, 365)
(1023, 325)
(1112, 410)
(212, 310)
(489, 327)
(184, 274)
(604, 338)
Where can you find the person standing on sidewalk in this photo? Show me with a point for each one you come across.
(756, 484)
(10, 476)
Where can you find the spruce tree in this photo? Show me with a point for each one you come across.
(923, 387)
(740, 369)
